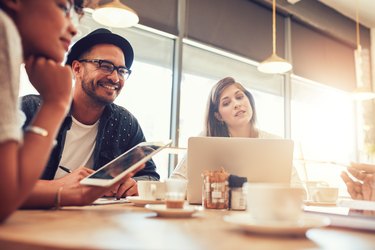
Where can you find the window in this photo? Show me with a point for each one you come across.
(323, 128)
(203, 67)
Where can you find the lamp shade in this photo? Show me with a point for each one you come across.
(115, 14)
(363, 90)
(274, 65)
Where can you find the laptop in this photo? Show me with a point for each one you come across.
(260, 160)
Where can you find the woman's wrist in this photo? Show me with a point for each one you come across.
(58, 107)
(58, 198)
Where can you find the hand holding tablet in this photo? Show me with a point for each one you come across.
(130, 161)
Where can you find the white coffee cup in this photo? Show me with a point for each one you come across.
(151, 190)
(324, 194)
(176, 193)
(311, 185)
(274, 201)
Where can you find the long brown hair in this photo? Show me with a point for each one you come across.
(215, 127)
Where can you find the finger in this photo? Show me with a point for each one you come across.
(368, 188)
(112, 190)
(68, 67)
(108, 194)
(350, 189)
(354, 190)
(128, 176)
(121, 192)
(89, 170)
(133, 191)
(345, 177)
(364, 167)
(366, 191)
(357, 173)
(125, 187)
(357, 187)
(370, 179)
(83, 171)
(32, 64)
(29, 62)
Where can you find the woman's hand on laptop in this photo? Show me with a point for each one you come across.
(363, 186)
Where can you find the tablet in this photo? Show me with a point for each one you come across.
(349, 214)
(124, 164)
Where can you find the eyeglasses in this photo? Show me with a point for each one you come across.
(108, 67)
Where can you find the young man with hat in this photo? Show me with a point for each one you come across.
(96, 130)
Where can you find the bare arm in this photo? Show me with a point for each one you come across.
(43, 195)
(73, 193)
(22, 164)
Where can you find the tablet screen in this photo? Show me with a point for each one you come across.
(125, 161)
(348, 217)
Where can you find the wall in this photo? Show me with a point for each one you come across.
(322, 40)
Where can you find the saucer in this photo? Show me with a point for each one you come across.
(163, 211)
(139, 202)
(306, 222)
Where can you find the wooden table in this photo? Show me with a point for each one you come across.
(123, 226)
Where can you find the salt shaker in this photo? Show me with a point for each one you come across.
(237, 196)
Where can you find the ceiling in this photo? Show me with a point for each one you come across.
(348, 8)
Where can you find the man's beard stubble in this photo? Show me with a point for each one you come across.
(89, 89)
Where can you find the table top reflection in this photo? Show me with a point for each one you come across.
(124, 226)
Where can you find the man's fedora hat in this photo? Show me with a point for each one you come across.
(100, 36)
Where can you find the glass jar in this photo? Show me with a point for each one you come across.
(215, 191)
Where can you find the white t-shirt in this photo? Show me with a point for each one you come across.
(79, 147)
(10, 61)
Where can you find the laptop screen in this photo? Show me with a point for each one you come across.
(260, 160)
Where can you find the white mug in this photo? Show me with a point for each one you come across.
(324, 194)
(311, 185)
(151, 190)
(274, 201)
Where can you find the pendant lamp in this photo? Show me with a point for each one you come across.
(115, 14)
(274, 64)
(363, 90)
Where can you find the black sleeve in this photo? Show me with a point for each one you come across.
(30, 105)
